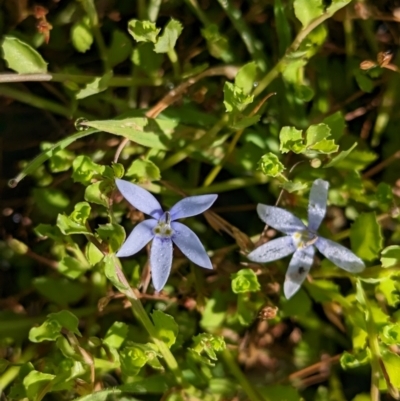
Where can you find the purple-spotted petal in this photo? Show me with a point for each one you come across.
(340, 256)
(140, 198)
(191, 206)
(160, 261)
(141, 235)
(317, 204)
(188, 242)
(298, 269)
(280, 219)
(273, 250)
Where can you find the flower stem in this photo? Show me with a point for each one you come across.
(239, 376)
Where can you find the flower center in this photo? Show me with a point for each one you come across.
(163, 228)
(303, 239)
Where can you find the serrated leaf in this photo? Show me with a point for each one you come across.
(325, 147)
(143, 171)
(293, 186)
(336, 123)
(390, 289)
(167, 328)
(71, 267)
(316, 134)
(308, 10)
(291, 139)
(143, 31)
(167, 41)
(132, 359)
(235, 99)
(21, 57)
(270, 165)
(245, 280)
(366, 236)
(246, 77)
(75, 223)
(355, 359)
(96, 86)
(341, 156)
(84, 169)
(81, 35)
(50, 330)
(209, 344)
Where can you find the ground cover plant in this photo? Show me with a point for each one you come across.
(161, 161)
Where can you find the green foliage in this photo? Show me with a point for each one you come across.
(21, 57)
(187, 88)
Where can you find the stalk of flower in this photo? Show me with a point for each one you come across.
(163, 230)
(302, 240)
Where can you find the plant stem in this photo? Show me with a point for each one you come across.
(173, 58)
(239, 376)
(254, 46)
(200, 14)
(277, 69)
(153, 9)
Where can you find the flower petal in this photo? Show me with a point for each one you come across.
(140, 198)
(299, 267)
(317, 204)
(141, 235)
(160, 261)
(188, 242)
(340, 255)
(191, 206)
(280, 219)
(273, 250)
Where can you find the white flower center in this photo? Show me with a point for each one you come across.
(163, 228)
(302, 239)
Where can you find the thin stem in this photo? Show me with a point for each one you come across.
(173, 58)
(254, 46)
(153, 10)
(81, 79)
(240, 377)
(200, 14)
(277, 69)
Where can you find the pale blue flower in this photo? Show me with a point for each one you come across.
(163, 230)
(302, 240)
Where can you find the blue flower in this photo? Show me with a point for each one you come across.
(302, 241)
(164, 230)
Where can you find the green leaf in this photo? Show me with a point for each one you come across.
(152, 133)
(308, 10)
(291, 139)
(81, 35)
(120, 48)
(143, 171)
(316, 134)
(109, 264)
(336, 123)
(67, 320)
(116, 335)
(59, 290)
(61, 161)
(391, 334)
(245, 280)
(132, 359)
(325, 147)
(390, 256)
(293, 186)
(235, 99)
(37, 383)
(112, 234)
(167, 41)
(365, 83)
(50, 201)
(75, 223)
(342, 155)
(217, 44)
(208, 344)
(71, 267)
(356, 160)
(143, 31)
(392, 365)
(390, 289)
(366, 237)
(245, 122)
(50, 330)
(270, 165)
(282, 26)
(279, 392)
(93, 254)
(298, 305)
(99, 192)
(384, 194)
(84, 169)
(147, 59)
(166, 327)
(21, 57)
(94, 87)
(246, 77)
(355, 359)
